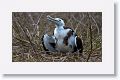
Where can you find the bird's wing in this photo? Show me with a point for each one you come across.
(79, 44)
(49, 43)
(43, 43)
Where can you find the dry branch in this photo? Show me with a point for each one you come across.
(23, 29)
(90, 28)
(95, 23)
(28, 29)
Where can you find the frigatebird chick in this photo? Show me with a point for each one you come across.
(67, 39)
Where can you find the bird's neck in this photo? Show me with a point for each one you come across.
(59, 27)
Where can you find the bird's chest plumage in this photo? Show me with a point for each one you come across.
(60, 35)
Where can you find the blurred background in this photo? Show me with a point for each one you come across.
(29, 27)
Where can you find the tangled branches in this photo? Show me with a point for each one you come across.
(28, 28)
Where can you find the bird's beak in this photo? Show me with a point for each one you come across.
(51, 19)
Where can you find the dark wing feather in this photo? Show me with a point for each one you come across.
(53, 45)
(79, 44)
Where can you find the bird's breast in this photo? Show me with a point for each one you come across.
(61, 47)
(60, 34)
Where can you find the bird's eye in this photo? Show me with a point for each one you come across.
(59, 20)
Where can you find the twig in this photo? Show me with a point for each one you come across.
(90, 28)
(95, 23)
(32, 45)
(30, 16)
(79, 21)
(83, 16)
(25, 41)
(36, 29)
(63, 59)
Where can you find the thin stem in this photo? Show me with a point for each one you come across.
(90, 28)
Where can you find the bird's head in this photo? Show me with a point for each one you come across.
(57, 21)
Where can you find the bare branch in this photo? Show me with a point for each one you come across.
(95, 23)
(90, 28)
(23, 29)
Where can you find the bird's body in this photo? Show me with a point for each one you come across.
(66, 39)
(60, 34)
